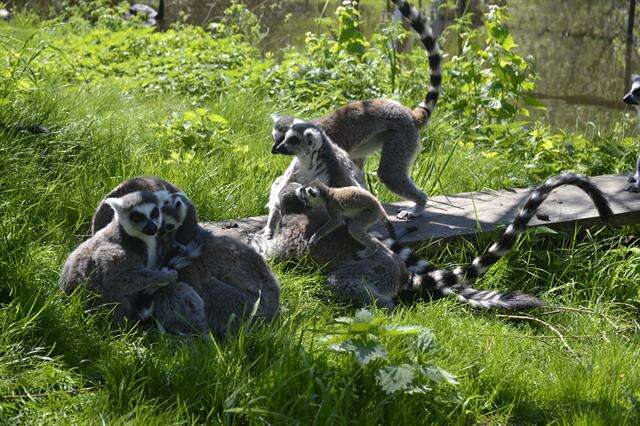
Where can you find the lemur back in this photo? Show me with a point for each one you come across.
(443, 282)
(363, 127)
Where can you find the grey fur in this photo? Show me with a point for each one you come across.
(633, 98)
(363, 127)
(355, 206)
(118, 264)
(230, 278)
(316, 158)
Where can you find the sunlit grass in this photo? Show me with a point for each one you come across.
(60, 364)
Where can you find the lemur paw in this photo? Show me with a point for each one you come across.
(633, 188)
(406, 215)
(179, 262)
(170, 274)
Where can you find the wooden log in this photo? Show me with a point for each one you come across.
(467, 214)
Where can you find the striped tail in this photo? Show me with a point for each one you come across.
(422, 112)
(445, 282)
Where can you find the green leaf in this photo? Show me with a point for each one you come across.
(425, 342)
(533, 102)
(439, 375)
(400, 330)
(364, 351)
(394, 378)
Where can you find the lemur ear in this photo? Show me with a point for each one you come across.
(114, 203)
(312, 135)
(275, 117)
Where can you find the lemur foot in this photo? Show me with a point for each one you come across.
(633, 188)
(407, 215)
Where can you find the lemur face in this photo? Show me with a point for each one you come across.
(174, 210)
(302, 138)
(633, 97)
(138, 213)
(310, 196)
(281, 123)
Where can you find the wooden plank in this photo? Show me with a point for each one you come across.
(466, 214)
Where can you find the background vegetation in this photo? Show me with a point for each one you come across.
(193, 106)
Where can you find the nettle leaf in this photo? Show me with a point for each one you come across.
(364, 351)
(439, 375)
(425, 342)
(400, 330)
(363, 315)
(394, 378)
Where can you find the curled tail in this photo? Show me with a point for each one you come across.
(422, 112)
(445, 282)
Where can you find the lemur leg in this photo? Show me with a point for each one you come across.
(326, 229)
(635, 178)
(275, 212)
(179, 310)
(358, 227)
(398, 152)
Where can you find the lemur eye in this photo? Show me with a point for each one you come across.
(178, 204)
(294, 140)
(636, 91)
(136, 217)
(155, 213)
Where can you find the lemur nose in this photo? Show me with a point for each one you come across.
(150, 228)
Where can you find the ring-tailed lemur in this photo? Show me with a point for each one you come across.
(229, 275)
(354, 205)
(363, 127)
(444, 282)
(316, 158)
(120, 264)
(633, 98)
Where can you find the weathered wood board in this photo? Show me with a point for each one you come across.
(467, 214)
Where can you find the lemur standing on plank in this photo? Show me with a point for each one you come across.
(354, 205)
(444, 282)
(633, 98)
(362, 127)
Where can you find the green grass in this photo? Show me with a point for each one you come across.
(60, 364)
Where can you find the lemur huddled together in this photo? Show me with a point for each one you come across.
(150, 256)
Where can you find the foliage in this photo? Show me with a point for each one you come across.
(361, 336)
(123, 100)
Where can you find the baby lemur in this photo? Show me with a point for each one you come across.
(633, 98)
(316, 158)
(119, 263)
(354, 205)
(361, 128)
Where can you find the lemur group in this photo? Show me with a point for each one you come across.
(152, 260)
